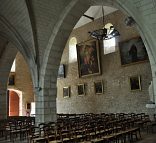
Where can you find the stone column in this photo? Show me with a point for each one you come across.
(153, 69)
(45, 105)
(154, 81)
(151, 107)
(3, 106)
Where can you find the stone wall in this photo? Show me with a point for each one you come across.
(23, 81)
(117, 96)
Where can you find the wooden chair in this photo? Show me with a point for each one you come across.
(35, 136)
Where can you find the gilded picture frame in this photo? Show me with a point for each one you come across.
(132, 51)
(98, 87)
(81, 89)
(88, 58)
(135, 82)
(28, 106)
(66, 92)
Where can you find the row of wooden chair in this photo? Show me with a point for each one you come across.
(15, 127)
(89, 128)
(109, 128)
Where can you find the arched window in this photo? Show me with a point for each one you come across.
(109, 45)
(72, 50)
(13, 66)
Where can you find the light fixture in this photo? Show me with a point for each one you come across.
(105, 33)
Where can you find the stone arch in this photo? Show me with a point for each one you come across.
(61, 33)
(10, 33)
(8, 52)
(15, 41)
(20, 95)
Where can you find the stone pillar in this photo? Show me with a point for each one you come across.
(3, 106)
(151, 107)
(45, 106)
(153, 68)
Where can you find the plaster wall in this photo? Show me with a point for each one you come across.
(23, 81)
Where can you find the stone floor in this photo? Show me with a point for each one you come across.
(146, 138)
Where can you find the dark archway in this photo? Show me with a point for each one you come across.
(13, 103)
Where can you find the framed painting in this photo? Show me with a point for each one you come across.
(61, 71)
(11, 80)
(135, 83)
(98, 87)
(132, 51)
(88, 58)
(66, 92)
(28, 106)
(81, 89)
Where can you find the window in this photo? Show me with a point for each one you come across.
(32, 113)
(72, 50)
(109, 45)
(13, 66)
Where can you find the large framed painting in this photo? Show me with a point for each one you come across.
(81, 89)
(135, 83)
(98, 87)
(61, 71)
(66, 92)
(28, 106)
(132, 51)
(88, 58)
